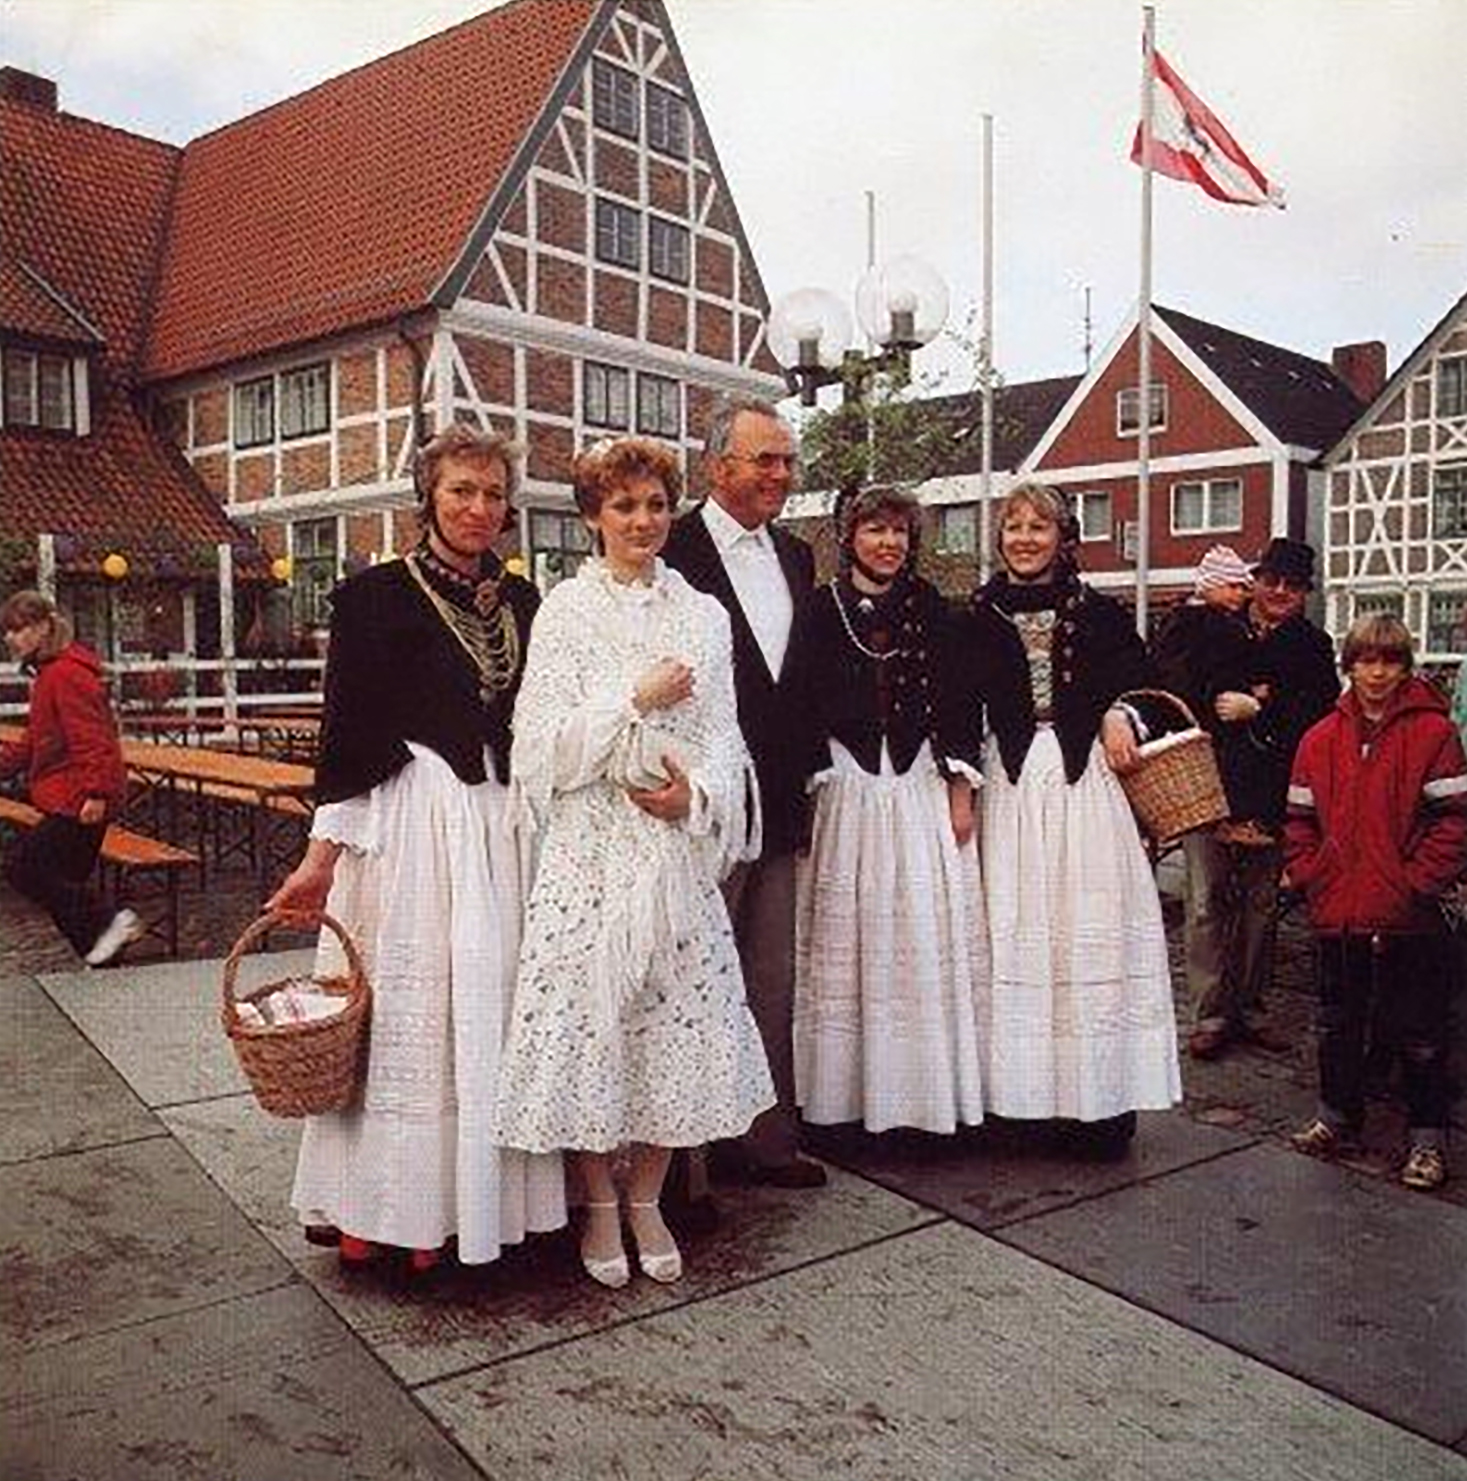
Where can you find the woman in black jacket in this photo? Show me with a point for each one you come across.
(413, 848)
(890, 942)
(1078, 1022)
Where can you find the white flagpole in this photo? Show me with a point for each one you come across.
(1143, 329)
(985, 350)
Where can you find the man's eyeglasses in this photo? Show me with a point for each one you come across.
(767, 462)
(1279, 583)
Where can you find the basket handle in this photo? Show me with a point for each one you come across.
(269, 921)
(1170, 698)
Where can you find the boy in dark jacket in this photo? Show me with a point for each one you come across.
(1376, 832)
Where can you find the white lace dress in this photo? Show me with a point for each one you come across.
(430, 887)
(630, 1022)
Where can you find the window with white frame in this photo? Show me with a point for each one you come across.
(957, 529)
(1449, 501)
(313, 569)
(659, 406)
(613, 98)
(1444, 613)
(38, 391)
(254, 412)
(305, 400)
(1451, 386)
(1207, 505)
(1093, 512)
(1128, 410)
(558, 544)
(667, 122)
(618, 232)
(605, 395)
(1379, 604)
(667, 249)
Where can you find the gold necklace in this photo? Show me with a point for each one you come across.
(492, 642)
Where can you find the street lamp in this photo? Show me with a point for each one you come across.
(902, 305)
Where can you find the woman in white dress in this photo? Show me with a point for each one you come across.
(630, 1025)
(1078, 1022)
(412, 849)
(891, 943)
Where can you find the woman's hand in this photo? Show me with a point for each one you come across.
(1232, 705)
(306, 887)
(93, 810)
(1119, 742)
(960, 809)
(671, 803)
(667, 683)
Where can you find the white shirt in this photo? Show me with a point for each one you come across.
(758, 581)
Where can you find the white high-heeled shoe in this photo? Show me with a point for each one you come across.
(665, 1267)
(615, 1272)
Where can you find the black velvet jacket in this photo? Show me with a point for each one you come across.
(906, 700)
(395, 673)
(1098, 655)
(773, 715)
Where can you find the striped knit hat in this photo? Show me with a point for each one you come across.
(1222, 566)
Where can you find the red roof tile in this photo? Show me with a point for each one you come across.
(29, 306)
(347, 204)
(85, 206)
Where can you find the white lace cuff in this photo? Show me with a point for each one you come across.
(350, 822)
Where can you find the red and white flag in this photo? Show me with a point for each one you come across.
(1189, 142)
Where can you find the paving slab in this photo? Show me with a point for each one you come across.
(536, 1294)
(939, 1354)
(158, 1024)
(118, 1235)
(270, 1387)
(999, 1173)
(57, 1094)
(1344, 1280)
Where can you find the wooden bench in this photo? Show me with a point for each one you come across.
(128, 855)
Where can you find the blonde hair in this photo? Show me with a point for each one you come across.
(1048, 503)
(1377, 635)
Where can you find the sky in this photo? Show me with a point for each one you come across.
(1355, 106)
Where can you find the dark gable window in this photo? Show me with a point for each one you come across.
(667, 249)
(605, 395)
(1128, 410)
(1449, 502)
(1451, 387)
(659, 406)
(613, 99)
(618, 228)
(667, 122)
(38, 391)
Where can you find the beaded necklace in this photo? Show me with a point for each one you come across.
(491, 639)
(856, 643)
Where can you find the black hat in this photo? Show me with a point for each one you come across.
(1289, 560)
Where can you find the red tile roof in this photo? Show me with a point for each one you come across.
(29, 306)
(347, 204)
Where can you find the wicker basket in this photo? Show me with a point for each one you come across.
(1176, 788)
(300, 1069)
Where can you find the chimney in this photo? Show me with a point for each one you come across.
(25, 87)
(1362, 367)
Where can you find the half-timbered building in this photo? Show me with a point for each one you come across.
(1396, 532)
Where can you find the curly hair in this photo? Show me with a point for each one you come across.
(470, 445)
(615, 461)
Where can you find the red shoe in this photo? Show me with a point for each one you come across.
(353, 1251)
(420, 1261)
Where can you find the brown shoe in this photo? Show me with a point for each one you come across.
(799, 1172)
(1209, 1041)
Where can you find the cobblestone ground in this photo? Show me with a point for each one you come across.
(1268, 1091)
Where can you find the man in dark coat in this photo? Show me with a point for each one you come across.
(1295, 662)
(730, 548)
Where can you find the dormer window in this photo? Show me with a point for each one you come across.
(39, 391)
(1128, 410)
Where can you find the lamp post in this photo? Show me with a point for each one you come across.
(901, 304)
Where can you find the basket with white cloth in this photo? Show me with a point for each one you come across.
(1176, 788)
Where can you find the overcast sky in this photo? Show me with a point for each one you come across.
(1356, 107)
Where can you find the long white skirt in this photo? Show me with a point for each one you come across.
(435, 909)
(890, 949)
(1078, 1019)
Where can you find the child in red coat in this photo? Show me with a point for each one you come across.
(1376, 832)
(72, 762)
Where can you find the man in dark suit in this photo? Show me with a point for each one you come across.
(729, 548)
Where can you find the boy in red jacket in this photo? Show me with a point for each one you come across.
(72, 762)
(1376, 832)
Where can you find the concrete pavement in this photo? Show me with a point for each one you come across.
(979, 1307)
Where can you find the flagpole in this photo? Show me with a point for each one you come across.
(1143, 327)
(985, 350)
